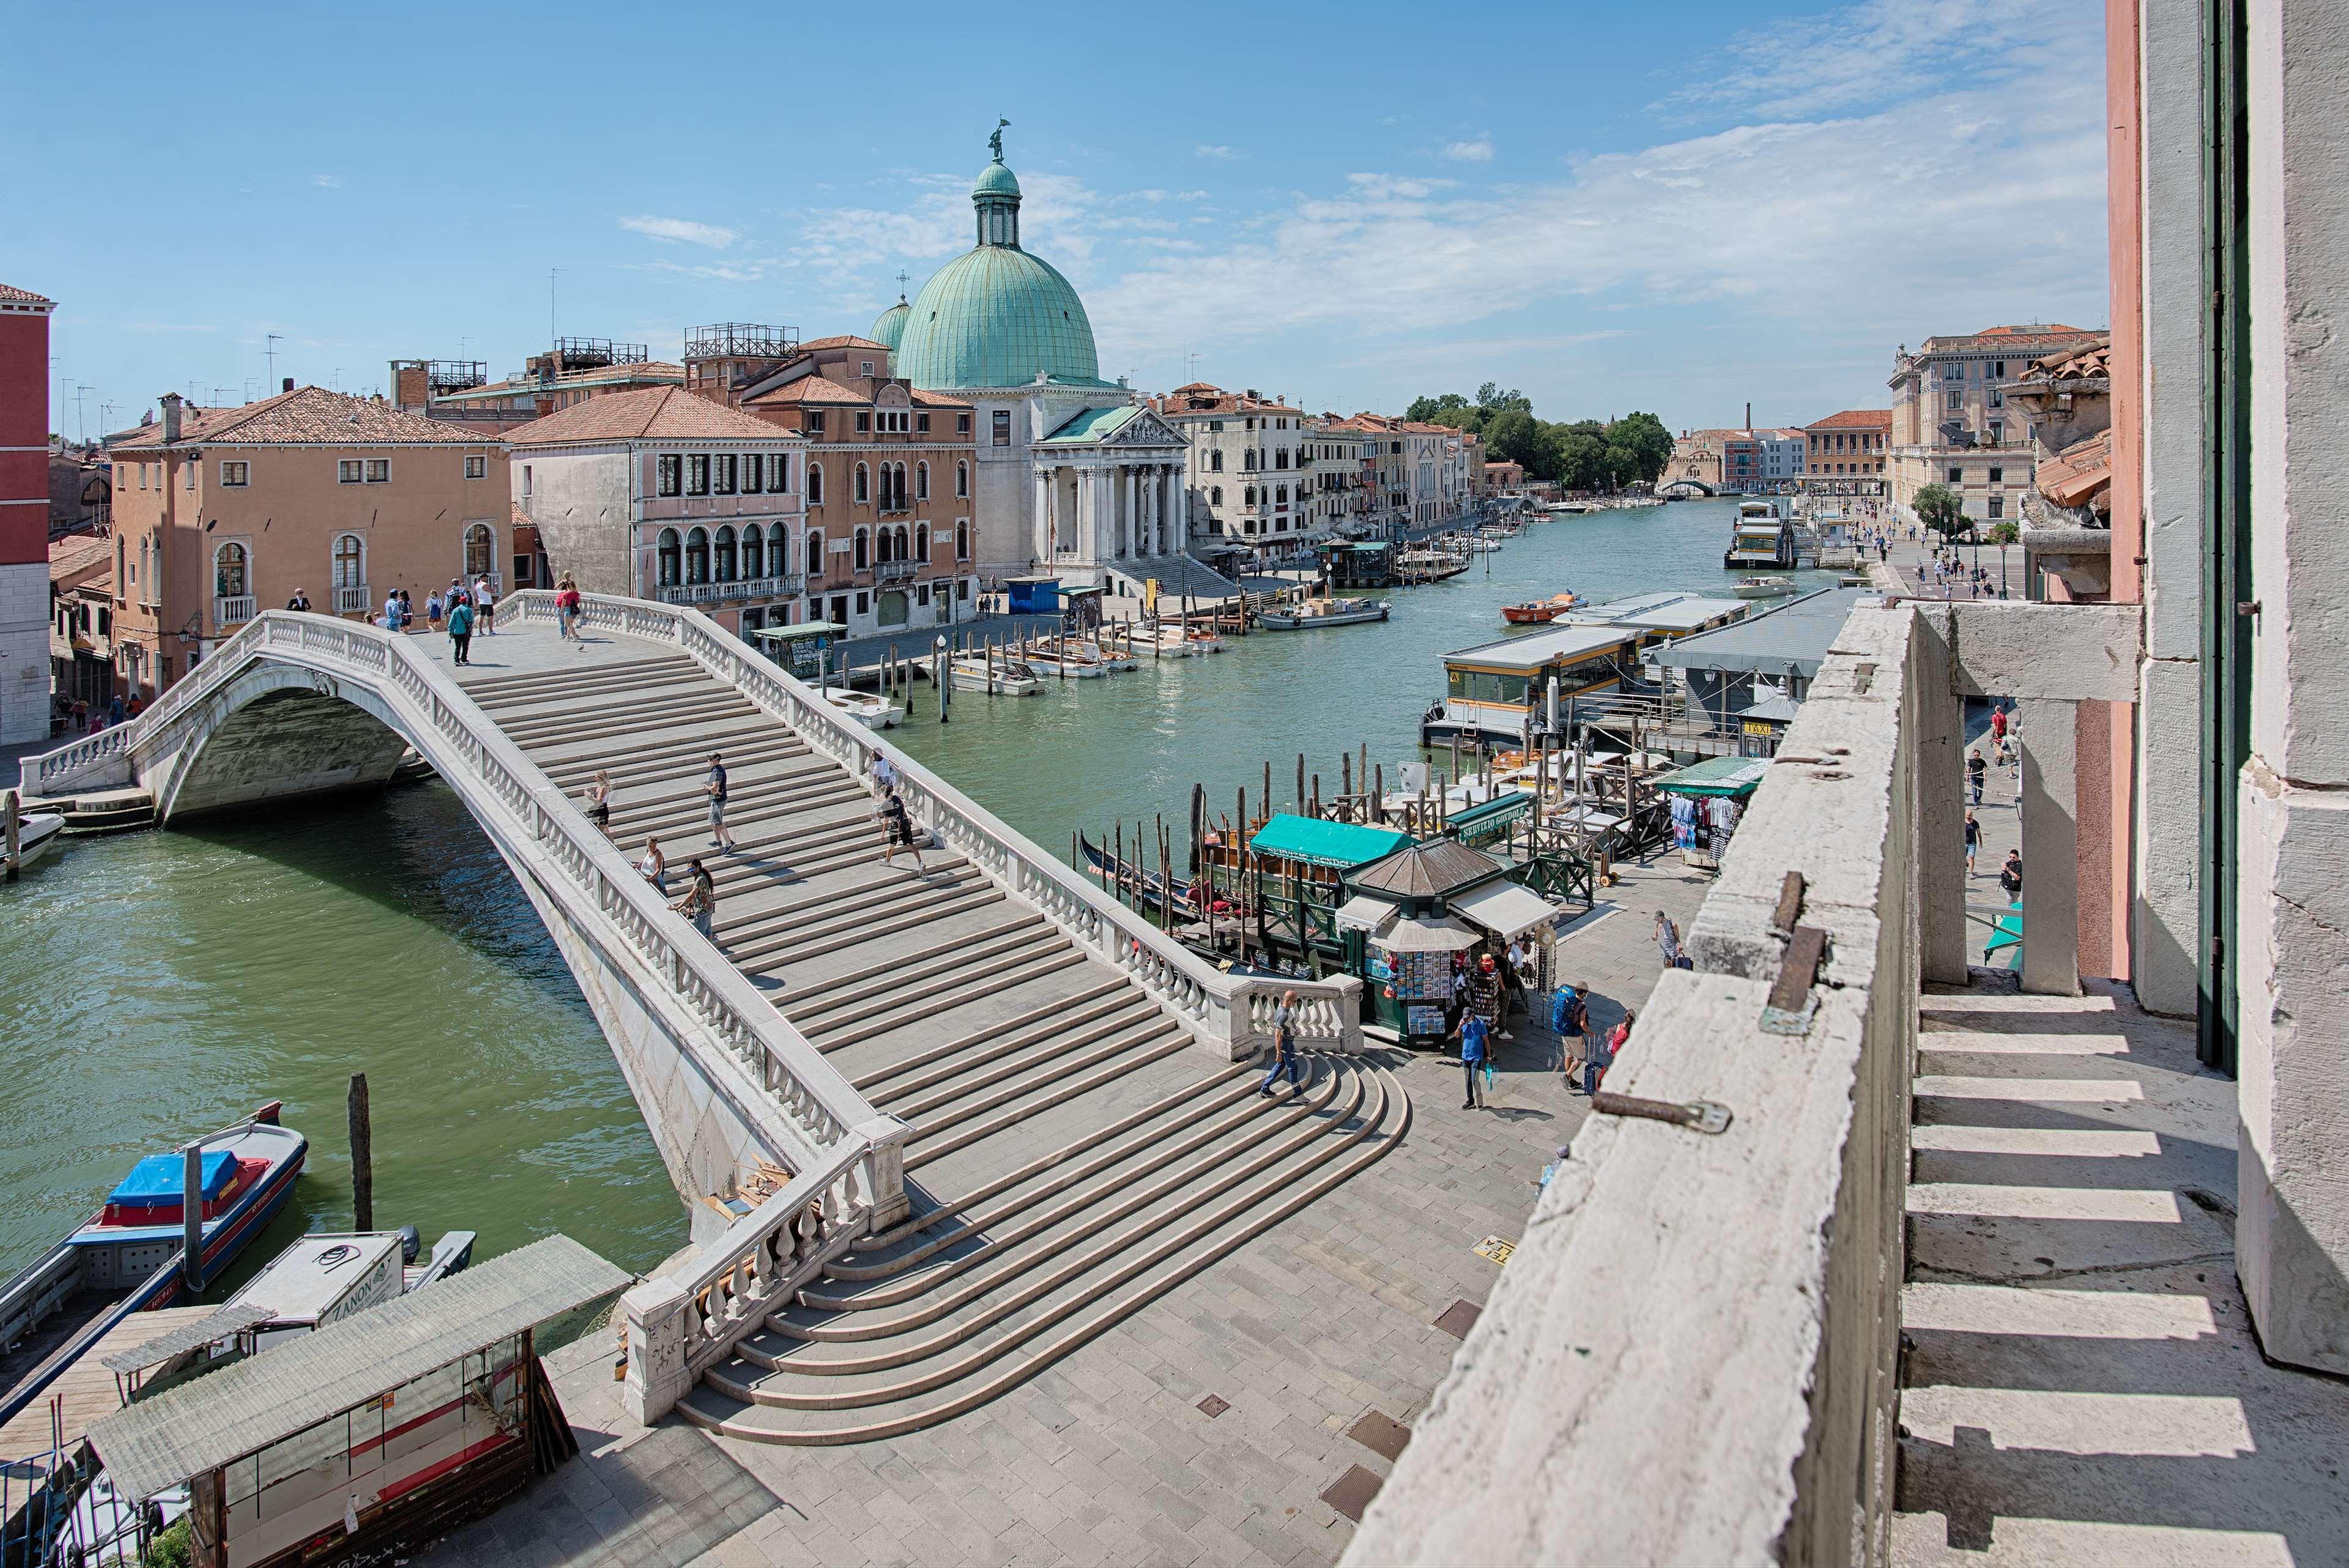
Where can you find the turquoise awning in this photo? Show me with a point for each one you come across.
(1317, 842)
(1733, 776)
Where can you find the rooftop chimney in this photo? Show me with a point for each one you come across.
(286, 385)
(1749, 419)
(170, 418)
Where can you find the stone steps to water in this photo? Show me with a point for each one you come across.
(744, 1400)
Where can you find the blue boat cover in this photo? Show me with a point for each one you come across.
(161, 1178)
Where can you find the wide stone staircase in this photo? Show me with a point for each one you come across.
(1177, 574)
(1072, 1156)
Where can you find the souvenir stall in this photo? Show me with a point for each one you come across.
(1707, 799)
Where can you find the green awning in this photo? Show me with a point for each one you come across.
(1497, 811)
(1733, 776)
(1320, 843)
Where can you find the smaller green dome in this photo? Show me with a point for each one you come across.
(889, 327)
(995, 180)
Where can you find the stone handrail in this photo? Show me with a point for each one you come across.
(1228, 1013)
(1718, 1314)
(683, 1324)
(814, 1110)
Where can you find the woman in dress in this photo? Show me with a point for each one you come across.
(599, 801)
(654, 867)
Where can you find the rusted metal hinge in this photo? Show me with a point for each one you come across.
(1789, 1008)
(1704, 1116)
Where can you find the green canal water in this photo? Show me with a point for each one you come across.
(159, 984)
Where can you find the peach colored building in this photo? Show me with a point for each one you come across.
(1845, 453)
(219, 513)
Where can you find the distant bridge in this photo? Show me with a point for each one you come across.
(1066, 1078)
(1684, 489)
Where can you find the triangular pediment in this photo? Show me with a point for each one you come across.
(1146, 429)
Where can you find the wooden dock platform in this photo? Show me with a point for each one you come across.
(85, 1393)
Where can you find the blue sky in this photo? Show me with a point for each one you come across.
(1672, 207)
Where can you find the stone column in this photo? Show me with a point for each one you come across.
(1129, 533)
(1088, 518)
(1182, 511)
(1046, 492)
(2050, 848)
(656, 1377)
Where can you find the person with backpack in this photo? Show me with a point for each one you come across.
(568, 609)
(461, 634)
(1571, 1019)
(700, 900)
(1284, 1048)
(1474, 1043)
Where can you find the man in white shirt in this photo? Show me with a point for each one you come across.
(485, 607)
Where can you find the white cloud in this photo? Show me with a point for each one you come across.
(1477, 152)
(1205, 151)
(1871, 53)
(329, 182)
(682, 231)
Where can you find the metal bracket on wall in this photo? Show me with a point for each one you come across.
(1791, 1004)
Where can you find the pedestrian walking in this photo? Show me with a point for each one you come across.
(434, 610)
(882, 773)
(461, 634)
(1571, 1018)
(897, 832)
(1977, 770)
(1474, 1043)
(700, 903)
(456, 594)
(1616, 1039)
(2010, 876)
(390, 621)
(1974, 841)
(714, 786)
(568, 609)
(485, 605)
(407, 610)
(1997, 723)
(1284, 1048)
(1668, 941)
(1484, 986)
(300, 601)
(599, 801)
(652, 866)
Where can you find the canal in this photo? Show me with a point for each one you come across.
(160, 984)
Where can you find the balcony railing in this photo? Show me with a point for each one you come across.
(896, 571)
(232, 609)
(722, 593)
(355, 600)
(1725, 1248)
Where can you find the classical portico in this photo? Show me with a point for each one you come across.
(1109, 492)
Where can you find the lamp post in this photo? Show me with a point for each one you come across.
(942, 676)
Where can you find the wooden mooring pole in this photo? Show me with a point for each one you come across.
(362, 1156)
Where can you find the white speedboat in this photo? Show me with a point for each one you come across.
(872, 712)
(1764, 588)
(36, 832)
(1067, 662)
(1320, 612)
(1001, 678)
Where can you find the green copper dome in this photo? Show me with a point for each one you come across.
(995, 316)
(890, 325)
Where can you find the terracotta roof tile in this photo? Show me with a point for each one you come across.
(9, 295)
(937, 400)
(1854, 418)
(654, 372)
(75, 552)
(843, 340)
(310, 416)
(2084, 363)
(651, 413)
(810, 390)
(2074, 476)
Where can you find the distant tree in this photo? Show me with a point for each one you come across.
(1512, 435)
(1581, 458)
(1493, 400)
(1939, 508)
(1643, 435)
(1433, 410)
(2004, 534)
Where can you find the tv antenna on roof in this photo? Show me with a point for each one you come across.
(269, 351)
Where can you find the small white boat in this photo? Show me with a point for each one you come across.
(1320, 612)
(1003, 678)
(1203, 641)
(1163, 642)
(36, 832)
(1064, 663)
(1763, 588)
(872, 712)
(1110, 658)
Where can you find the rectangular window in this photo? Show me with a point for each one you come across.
(815, 421)
(863, 603)
(962, 424)
(754, 473)
(1957, 400)
(1998, 476)
(1997, 399)
(526, 480)
(921, 424)
(780, 483)
(696, 474)
(728, 474)
(1957, 476)
(864, 422)
(235, 474)
(1998, 506)
(348, 471)
(1003, 427)
(670, 470)
(477, 468)
(1998, 369)
(378, 471)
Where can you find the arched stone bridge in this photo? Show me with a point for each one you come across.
(1022, 1111)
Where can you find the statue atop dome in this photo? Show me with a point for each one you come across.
(995, 142)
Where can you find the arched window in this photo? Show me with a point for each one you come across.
(863, 484)
(1215, 496)
(1283, 496)
(1216, 461)
(230, 578)
(816, 485)
(697, 556)
(754, 553)
(922, 482)
(922, 543)
(1280, 458)
(864, 554)
(905, 541)
(1248, 459)
(1249, 497)
(815, 548)
(723, 561)
(962, 479)
(900, 487)
(350, 561)
(883, 544)
(665, 554)
(962, 540)
(480, 551)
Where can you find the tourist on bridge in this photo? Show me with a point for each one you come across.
(897, 831)
(433, 610)
(700, 900)
(883, 773)
(461, 634)
(599, 801)
(1474, 1043)
(1977, 770)
(1284, 1047)
(1570, 1019)
(654, 867)
(715, 788)
(407, 610)
(1973, 840)
(300, 601)
(2010, 876)
(567, 610)
(390, 621)
(485, 605)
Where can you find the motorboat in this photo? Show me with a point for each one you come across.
(328, 1275)
(1763, 588)
(1065, 661)
(1000, 677)
(872, 712)
(36, 832)
(1322, 611)
(1203, 641)
(1540, 612)
(130, 1256)
(1166, 641)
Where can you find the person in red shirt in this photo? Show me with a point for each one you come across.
(568, 609)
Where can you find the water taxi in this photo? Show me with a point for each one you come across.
(1321, 611)
(130, 1255)
(1055, 662)
(1760, 538)
(1000, 677)
(1764, 588)
(872, 712)
(37, 833)
(1498, 691)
